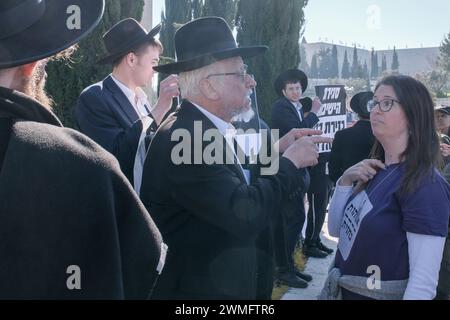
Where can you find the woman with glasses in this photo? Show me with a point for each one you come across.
(391, 211)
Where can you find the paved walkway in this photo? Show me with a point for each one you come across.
(318, 268)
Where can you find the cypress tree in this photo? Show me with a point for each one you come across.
(334, 73)
(444, 54)
(279, 25)
(132, 9)
(383, 64)
(325, 63)
(345, 67)
(304, 66)
(197, 6)
(221, 8)
(374, 69)
(395, 64)
(176, 13)
(314, 67)
(365, 74)
(83, 68)
(355, 70)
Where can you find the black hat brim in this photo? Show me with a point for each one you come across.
(109, 59)
(50, 34)
(210, 58)
(290, 74)
(445, 110)
(358, 103)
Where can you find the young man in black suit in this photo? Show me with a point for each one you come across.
(287, 114)
(115, 112)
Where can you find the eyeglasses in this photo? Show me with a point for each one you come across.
(385, 105)
(241, 74)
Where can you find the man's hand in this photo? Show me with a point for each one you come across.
(304, 152)
(168, 89)
(293, 135)
(316, 104)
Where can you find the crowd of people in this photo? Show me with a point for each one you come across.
(152, 204)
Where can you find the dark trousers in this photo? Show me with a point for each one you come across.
(318, 201)
(287, 231)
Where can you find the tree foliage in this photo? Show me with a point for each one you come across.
(314, 67)
(355, 69)
(374, 72)
(304, 66)
(345, 74)
(279, 25)
(383, 64)
(221, 8)
(395, 63)
(334, 72)
(444, 54)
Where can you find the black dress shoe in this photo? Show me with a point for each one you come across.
(291, 280)
(324, 248)
(314, 252)
(304, 276)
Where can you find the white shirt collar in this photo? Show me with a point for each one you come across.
(142, 97)
(297, 104)
(224, 127)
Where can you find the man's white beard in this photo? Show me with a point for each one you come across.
(245, 116)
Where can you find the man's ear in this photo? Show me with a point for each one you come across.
(27, 69)
(130, 58)
(208, 90)
(284, 93)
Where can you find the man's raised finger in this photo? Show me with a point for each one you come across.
(316, 139)
(299, 133)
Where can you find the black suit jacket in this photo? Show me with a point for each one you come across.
(208, 215)
(350, 146)
(285, 117)
(104, 113)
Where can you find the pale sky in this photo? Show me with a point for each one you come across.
(372, 23)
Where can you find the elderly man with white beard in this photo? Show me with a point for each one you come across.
(212, 212)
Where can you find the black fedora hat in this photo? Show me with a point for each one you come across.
(204, 41)
(125, 36)
(31, 30)
(358, 103)
(290, 75)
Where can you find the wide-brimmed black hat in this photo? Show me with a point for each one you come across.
(358, 103)
(125, 36)
(31, 30)
(204, 41)
(290, 75)
(443, 109)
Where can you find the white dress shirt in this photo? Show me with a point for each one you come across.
(139, 101)
(298, 107)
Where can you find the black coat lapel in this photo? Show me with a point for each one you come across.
(292, 107)
(191, 113)
(122, 101)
